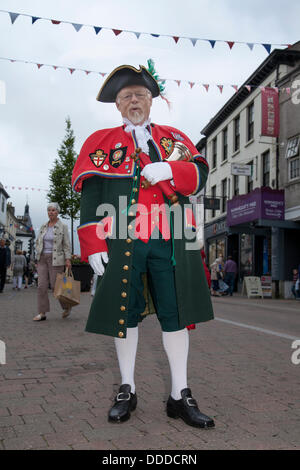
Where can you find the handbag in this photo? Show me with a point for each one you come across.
(67, 289)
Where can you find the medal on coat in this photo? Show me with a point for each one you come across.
(167, 144)
(116, 157)
(98, 157)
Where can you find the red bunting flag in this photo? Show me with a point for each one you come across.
(206, 86)
(176, 39)
(248, 87)
(71, 70)
(39, 65)
(230, 44)
(117, 31)
(235, 87)
(55, 22)
(192, 84)
(87, 71)
(54, 66)
(178, 82)
(220, 88)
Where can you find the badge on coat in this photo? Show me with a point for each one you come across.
(167, 144)
(116, 157)
(98, 157)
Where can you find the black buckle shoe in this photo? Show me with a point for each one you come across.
(125, 402)
(187, 409)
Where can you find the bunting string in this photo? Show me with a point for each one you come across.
(77, 26)
(207, 86)
(26, 188)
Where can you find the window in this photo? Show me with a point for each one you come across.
(236, 190)
(213, 195)
(294, 168)
(250, 178)
(225, 145)
(236, 126)
(292, 147)
(214, 153)
(3, 203)
(250, 121)
(224, 194)
(266, 168)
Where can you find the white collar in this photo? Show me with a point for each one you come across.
(141, 133)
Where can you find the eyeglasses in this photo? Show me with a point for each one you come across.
(128, 97)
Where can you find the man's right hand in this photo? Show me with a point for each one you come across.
(96, 261)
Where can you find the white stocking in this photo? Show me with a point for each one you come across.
(126, 352)
(176, 344)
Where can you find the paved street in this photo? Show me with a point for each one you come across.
(58, 382)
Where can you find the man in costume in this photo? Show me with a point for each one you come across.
(147, 263)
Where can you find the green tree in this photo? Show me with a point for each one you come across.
(60, 179)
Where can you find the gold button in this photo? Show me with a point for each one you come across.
(135, 190)
(127, 253)
(130, 226)
(121, 321)
(133, 201)
(154, 195)
(125, 267)
(124, 281)
(122, 308)
(131, 214)
(135, 178)
(128, 240)
(120, 334)
(124, 294)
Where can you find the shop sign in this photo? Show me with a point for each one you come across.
(266, 285)
(262, 203)
(252, 286)
(241, 170)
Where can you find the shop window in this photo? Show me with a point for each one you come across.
(246, 261)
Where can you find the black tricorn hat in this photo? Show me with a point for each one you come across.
(123, 76)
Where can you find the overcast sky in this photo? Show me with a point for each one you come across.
(32, 121)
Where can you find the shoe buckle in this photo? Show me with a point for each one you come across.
(190, 401)
(123, 399)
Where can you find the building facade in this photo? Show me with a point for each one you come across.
(246, 177)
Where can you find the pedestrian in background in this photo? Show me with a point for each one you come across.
(295, 286)
(19, 266)
(53, 253)
(230, 271)
(5, 261)
(214, 279)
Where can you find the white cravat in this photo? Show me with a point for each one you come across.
(141, 132)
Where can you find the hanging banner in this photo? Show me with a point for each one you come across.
(269, 112)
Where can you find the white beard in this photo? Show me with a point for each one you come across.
(141, 132)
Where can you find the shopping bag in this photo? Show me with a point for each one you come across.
(67, 289)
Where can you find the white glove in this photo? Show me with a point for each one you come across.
(158, 171)
(96, 261)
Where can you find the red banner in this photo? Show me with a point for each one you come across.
(269, 112)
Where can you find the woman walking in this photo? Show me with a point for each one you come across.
(53, 254)
(19, 265)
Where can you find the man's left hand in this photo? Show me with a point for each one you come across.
(158, 171)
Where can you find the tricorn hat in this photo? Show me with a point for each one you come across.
(124, 76)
